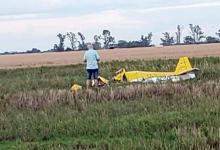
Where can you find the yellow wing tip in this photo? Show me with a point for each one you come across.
(76, 88)
(103, 80)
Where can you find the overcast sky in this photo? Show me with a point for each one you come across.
(25, 24)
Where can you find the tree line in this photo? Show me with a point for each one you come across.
(196, 36)
(77, 41)
(105, 40)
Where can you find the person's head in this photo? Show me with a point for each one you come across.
(89, 46)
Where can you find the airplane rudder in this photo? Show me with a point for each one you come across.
(183, 65)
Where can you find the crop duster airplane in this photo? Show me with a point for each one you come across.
(184, 71)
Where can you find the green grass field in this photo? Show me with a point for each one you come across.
(37, 110)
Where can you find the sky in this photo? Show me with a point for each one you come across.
(27, 24)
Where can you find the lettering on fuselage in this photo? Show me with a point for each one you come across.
(166, 78)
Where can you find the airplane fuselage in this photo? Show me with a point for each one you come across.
(184, 71)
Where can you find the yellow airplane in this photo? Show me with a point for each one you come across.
(184, 71)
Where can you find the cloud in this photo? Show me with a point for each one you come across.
(39, 29)
(29, 6)
(198, 5)
(86, 6)
(28, 31)
(106, 18)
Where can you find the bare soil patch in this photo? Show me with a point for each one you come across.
(67, 58)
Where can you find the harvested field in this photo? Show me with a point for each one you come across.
(66, 58)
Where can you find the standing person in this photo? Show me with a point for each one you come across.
(91, 58)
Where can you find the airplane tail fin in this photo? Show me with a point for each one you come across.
(183, 65)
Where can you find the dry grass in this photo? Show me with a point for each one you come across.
(46, 98)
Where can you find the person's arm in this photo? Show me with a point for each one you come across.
(84, 59)
(97, 56)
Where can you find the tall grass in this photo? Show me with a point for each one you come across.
(37, 110)
(45, 98)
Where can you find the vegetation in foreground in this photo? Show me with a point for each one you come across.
(37, 110)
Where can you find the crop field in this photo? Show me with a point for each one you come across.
(67, 58)
(38, 111)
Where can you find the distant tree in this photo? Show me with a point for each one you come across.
(189, 40)
(146, 40)
(61, 42)
(167, 40)
(133, 44)
(210, 39)
(108, 39)
(82, 45)
(111, 42)
(55, 47)
(178, 34)
(193, 34)
(6, 53)
(34, 50)
(97, 44)
(106, 34)
(68, 49)
(218, 33)
(196, 33)
(122, 44)
(73, 40)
